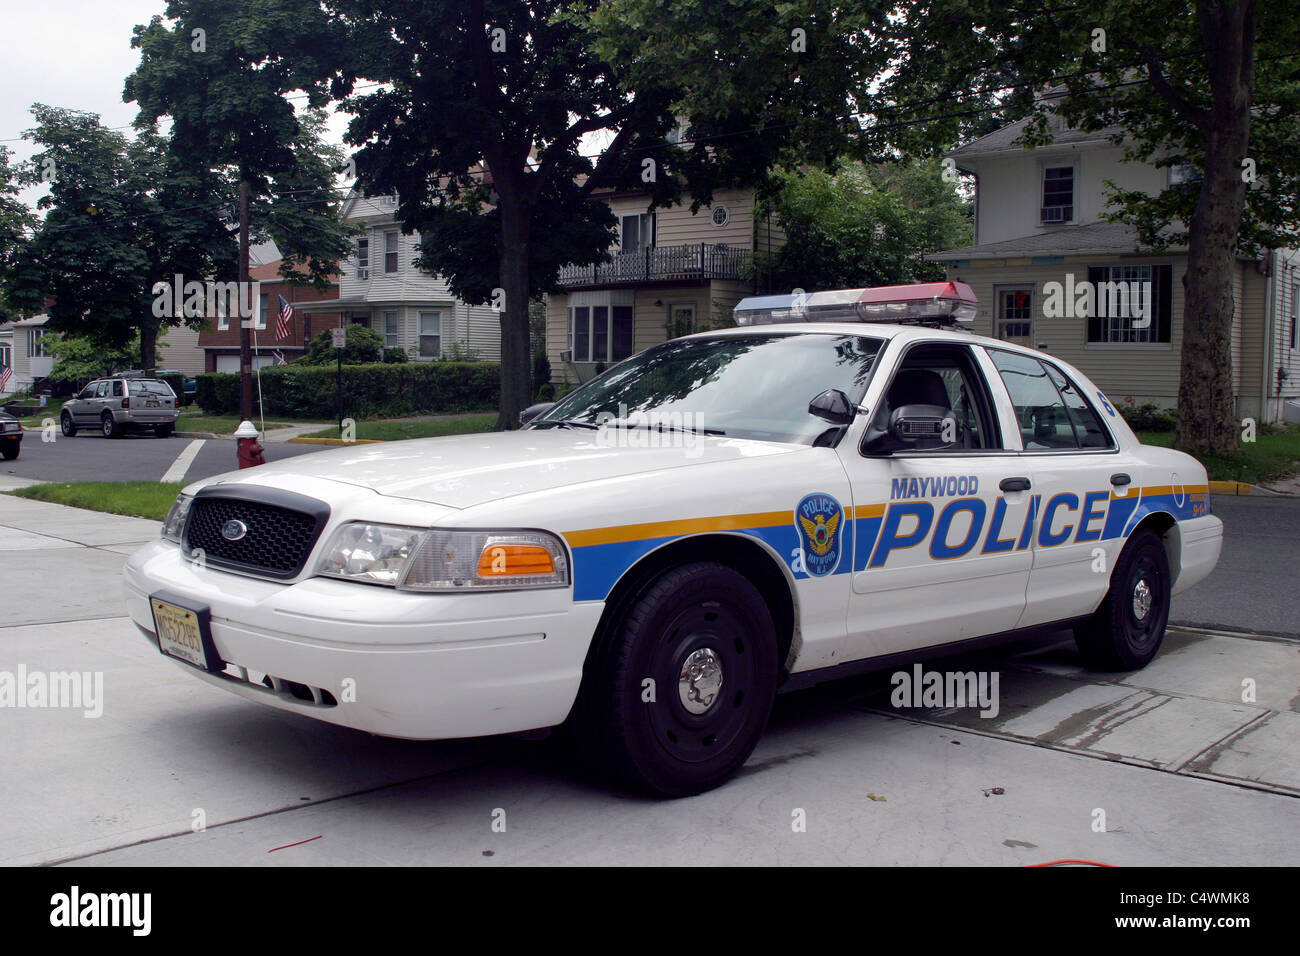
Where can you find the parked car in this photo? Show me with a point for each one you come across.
(717, 518)
(189, 384)
(114, 405)
(11, 436)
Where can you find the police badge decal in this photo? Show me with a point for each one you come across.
(819, 519)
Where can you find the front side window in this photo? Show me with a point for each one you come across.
(430, 334)
(754, 386)
(1050, 418)
(936, 376)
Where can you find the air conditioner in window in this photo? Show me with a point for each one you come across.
(363, 273)
(1057, 213)
(566, 356)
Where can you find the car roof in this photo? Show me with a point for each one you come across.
(904, 332)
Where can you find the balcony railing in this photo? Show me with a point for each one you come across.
(690, 263)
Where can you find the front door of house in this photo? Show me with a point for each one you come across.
(1014, 319)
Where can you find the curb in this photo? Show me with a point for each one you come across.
(334, 441)
(1230, 488)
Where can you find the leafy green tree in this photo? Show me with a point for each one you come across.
(483, 123)
(16, 222)
(78, 359)
(120, 215)
(364, 345)
(223, 74)
(865, 225)
(1210, 84)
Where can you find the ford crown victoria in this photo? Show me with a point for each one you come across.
(842, 481)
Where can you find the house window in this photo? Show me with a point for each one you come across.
(681, 319)
(390, 252)
(35, 343)
(390, 330)
(1131, 304)
(1058, 194)
(263, 303)
(1295, 312)
(363, 258)
(601, 333)
(637, 232)
(1014, 321)
(430, 334)
(6, 356)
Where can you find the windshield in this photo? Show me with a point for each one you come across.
(150, 387)
(744, 386)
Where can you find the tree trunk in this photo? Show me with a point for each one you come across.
(148, 345)
(1206, 411)
(245, 343)
(516, 365)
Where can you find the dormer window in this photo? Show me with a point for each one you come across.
(390, 251)
(1058, 194)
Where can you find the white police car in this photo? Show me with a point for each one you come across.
(717, 518)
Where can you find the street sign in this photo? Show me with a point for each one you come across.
(340, 337)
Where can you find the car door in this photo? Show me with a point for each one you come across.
(1084, 487)
(940, 550)
(88, 410)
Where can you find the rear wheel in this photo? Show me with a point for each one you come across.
(163, 431)
(109, 426)
(679, 695)
(1126, 631)
(66, 423)
(10, 449)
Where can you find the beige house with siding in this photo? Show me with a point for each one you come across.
(671, 272)
(380, 287)
(1040, 240)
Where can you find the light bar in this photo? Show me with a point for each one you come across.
(919, 302)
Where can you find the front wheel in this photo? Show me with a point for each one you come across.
(10, 449)
(65, 422)
(681, 692)
(1126, 631)
(109, 426)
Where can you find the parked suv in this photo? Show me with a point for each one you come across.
(113, 405)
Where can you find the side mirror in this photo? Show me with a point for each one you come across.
(832, 406)
(532, 411)
(929, 426)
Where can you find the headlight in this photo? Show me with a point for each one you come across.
(462, 560)
(375, 553)
(174, 523)
(417, 559)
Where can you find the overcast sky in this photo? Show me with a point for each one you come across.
(74, 54)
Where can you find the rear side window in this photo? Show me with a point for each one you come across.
(1052, 413)
(117, 387)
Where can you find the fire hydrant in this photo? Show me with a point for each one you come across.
(250, 452)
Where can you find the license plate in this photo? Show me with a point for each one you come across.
(183, 633)
(151, 403)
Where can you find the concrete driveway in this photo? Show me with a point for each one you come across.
(1166, 766)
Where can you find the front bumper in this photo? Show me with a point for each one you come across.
(395, 663)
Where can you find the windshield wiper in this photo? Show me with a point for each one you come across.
(661, 426)
(564, 423)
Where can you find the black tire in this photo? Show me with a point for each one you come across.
(703, 610)
(1120, 636)
(69, 428)
(10, 449)
(164, 431)
(109, 426)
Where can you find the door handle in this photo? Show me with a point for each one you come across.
(1014, 484)
(1120, 479)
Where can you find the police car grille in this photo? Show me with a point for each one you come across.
(277, 542)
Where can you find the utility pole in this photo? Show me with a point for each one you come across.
(245, 322)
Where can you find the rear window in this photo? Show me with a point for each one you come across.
(150, 387)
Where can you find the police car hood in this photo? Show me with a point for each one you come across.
(466, 470)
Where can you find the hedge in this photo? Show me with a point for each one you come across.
(177, 382)
(373, 390)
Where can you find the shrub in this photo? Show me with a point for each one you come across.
(374, 390)
(395, 356)
(1147, 417)
(364, 345)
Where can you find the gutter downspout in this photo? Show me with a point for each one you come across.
(1270, 300)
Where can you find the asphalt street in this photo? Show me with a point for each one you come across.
(1171, 765)
(133, 457)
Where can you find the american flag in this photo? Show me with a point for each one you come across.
(283, 326)
(5, 372)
